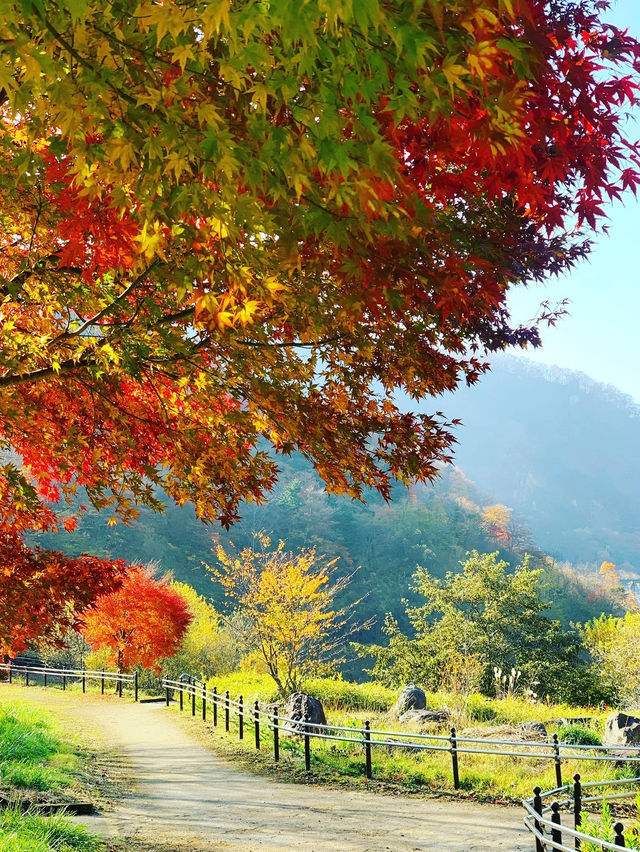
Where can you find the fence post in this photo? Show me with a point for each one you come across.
(215, 706)
(84, 681)
(120, 684)
(193, 699)
(367, 748)
(204, 703)
(256, 722)
(181, 696)
(45, 680)
(64, 681)
(454, 759)
(240, 718)
(10, 673)
(537, 806)
(307, 744)
(102, 683)
(619, 838)
(577, 806)
(226, 710)
(276, 737)
(135, 685)
(556, 759)
(167, 695)
(556, 834)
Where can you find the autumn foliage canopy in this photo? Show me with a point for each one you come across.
(233, 221)
(140, 623)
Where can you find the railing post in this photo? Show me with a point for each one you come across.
(537, 806)
(240, 718)
(204, 703)
(167, 695)
(367, 748)
(181, 696)
(276, 736)
(577, 806)
(27, 677)
(10, 673)
(256, 722)
(193, 699)
(307, 744)
(84, 682)
(64, 681)
(120, 684)
(102, 683)
(226, 710)
(215, 706)
(454, 759)
(135, 685)
(45, 680)
(556, 833)
(619, 838)
(556, 759)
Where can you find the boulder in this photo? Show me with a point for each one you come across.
(300, 706)
(621, 730)
(425, 717)
(534, 731)
(411, 698)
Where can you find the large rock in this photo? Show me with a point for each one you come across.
(621, 730)
(534, 731)
(411, 698)
(425, 717)
(300, 707)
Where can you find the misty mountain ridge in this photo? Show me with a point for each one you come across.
(561, 450)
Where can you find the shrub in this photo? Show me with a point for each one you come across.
(578, 735)
(346, 695)
(480, 709)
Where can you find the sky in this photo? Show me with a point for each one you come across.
(601, 336)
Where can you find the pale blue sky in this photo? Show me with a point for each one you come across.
(601, 337)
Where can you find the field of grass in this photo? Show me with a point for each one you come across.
(486, 777)
(34, 759)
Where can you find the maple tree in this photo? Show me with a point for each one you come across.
(286, 602)
(140, 623)
(227, 222)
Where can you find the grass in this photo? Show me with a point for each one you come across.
(30, 832)
(35, 759)
(484, 777)
(29, 750)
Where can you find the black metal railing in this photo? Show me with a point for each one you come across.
(51, 676)
(368, 739)
(544, 813)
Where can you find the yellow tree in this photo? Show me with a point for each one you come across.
(208, 646)
(288, 600)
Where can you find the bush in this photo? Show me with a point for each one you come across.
(578, 735)
(480, 709)
(346, 695)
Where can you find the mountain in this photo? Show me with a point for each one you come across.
(560, 449)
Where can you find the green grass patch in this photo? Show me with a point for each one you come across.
(578, 735)
(29, 750)
(29, 832)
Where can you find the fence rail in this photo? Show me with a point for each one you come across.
(64, 677)
(367, 738)
(544, 819)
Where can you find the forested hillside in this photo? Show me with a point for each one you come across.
(432, 526)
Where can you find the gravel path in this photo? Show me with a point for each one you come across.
(186, 798)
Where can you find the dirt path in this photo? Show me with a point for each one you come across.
(186, 798)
